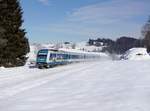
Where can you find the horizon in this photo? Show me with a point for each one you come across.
(77, 21)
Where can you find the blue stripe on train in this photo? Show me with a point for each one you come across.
(57, 63)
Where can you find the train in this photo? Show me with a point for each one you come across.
(47, 58)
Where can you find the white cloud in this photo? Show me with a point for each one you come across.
(82, 31)
(45, 2)
(111, 11)
(111, 19)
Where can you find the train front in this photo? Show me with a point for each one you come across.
(41, 60)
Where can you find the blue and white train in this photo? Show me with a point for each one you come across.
(49, 57)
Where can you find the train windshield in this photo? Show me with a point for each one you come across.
(42, 56)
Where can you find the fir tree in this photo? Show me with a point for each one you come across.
(13, 43)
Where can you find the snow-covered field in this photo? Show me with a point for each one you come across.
(136, 54)
(87, 86)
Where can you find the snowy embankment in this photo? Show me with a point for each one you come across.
(136, 54)
(88, 86)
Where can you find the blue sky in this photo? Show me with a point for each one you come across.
(78, 20)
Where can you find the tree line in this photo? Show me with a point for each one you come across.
(122, 44)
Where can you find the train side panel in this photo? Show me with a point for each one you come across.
(48, 58)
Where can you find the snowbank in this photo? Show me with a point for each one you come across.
(136, 54)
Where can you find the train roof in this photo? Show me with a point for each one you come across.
(49, 49)
(78, 51)
(74, 51)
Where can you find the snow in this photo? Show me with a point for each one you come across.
(84, 46)
(32, 54)
(86, 86)
(137, 54)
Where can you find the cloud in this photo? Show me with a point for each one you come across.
(110, 19)
(45, 2)
(110, 11)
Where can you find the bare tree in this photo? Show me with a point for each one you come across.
(146, 27)
(73, 46)
(146, 34)
(147, 41)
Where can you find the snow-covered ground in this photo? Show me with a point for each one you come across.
(84, 46)
(87, 86)
(136, 54)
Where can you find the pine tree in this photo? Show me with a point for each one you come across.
(13, 43)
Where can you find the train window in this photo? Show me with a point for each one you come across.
(42, 56)
(64, 56)
(67, 56)
(74, 56)
(70, 56)
(52, 55)
(59, 56)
